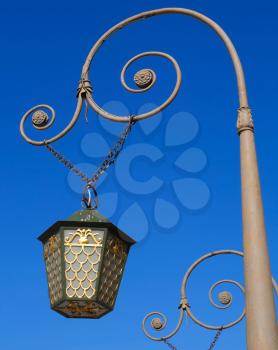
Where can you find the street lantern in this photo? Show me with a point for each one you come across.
(85, 258)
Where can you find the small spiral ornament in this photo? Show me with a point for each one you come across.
(144, 79)
(224, 297)
(158, 322)
(41, 121)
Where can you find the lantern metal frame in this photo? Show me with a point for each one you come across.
(110, 233)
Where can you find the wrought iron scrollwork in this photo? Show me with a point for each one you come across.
(31, 113)
(144, 84)
(158, 321)
(144, 79)
(225, 299)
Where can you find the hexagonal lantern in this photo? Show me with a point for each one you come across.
(85, 258)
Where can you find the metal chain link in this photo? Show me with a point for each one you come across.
(171, 346)
(215, 339)
(107, 162)
(67, 163)
(114, 152)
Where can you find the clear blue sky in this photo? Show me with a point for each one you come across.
(43, 48)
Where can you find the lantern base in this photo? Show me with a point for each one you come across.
(81, 309)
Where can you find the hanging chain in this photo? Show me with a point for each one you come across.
(113, 153)
(171, 346)
(67, 163)
(212, 345)
(215, 339)
(107, 162)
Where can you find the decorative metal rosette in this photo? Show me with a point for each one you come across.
(144, 78)
(39, 118)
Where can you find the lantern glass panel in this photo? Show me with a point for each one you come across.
(114, 260)
(83, 250)
(53, 262)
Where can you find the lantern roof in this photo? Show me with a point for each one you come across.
(88, 215)
(82, 218)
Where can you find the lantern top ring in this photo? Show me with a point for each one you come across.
(87, 197)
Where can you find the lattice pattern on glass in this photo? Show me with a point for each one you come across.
(81, 309)
(82, 257)
(52, 256)
(113, 265)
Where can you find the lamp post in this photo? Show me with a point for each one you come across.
(260, 308)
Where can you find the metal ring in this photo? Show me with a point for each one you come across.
(229, 302)
(87, 197)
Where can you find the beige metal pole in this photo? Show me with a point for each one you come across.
(262, 332)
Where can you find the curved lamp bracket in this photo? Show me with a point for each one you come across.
(144, 79)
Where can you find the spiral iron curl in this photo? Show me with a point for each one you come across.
(185, 305)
